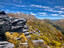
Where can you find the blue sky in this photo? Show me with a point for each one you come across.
(50, 9)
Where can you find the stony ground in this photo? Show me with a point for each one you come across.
(6, 44)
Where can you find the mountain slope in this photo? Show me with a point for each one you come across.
(42, 30)
(46, 32)
(59, 24)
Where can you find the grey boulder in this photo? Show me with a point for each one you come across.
(12, 24)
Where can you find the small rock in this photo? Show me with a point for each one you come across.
(35, 41)
(28, 36)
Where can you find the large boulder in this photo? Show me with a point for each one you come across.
(5, 24)
(2, 12)
(18, 24)
(12, 24)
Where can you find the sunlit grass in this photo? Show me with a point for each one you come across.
(51, 36)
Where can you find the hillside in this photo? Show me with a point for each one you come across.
(47, 32)
(59, 24)
(42, 30)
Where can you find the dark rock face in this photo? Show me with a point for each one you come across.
(17, 24)
(2, 12)
(12, 24)
(5, 24)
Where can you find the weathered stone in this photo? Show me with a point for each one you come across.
(4, 24)
(39, 43)
(17, 24)
(27, 33)
(12, 24)
(28, 36)
(24, 44)
(35, 41)
(25, 26)
(5, 44)
(2, 12)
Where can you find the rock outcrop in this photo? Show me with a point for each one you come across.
(18, 25)
(12, 24)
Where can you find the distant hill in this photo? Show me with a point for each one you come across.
(59, 24)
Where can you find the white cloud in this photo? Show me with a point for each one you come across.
(62, 8)
(13, 4)
(39, 6)
(32, 13)
(58, 6)
(58, 11)
(54, 14)
(51, 10)
(42, 13)
(7, 11)
(46, 8)
(17, 11)
(20, 5)
(62, 15)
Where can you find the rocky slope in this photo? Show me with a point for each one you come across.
(42, 31)
(11, 25)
